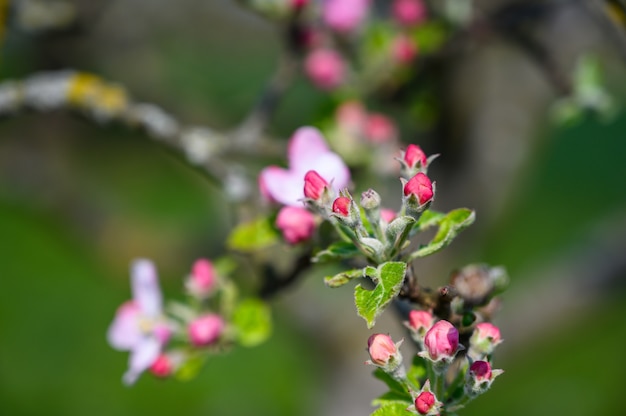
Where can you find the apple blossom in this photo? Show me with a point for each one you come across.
(307, 151)
(139, 325)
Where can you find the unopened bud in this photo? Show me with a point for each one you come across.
(484, 340)
(426, 403)
(341, 206)
(314, 185)
(162, 367)
(205, 330)
(202, 279)
(384, 353)
(441, 343)
(479, 378)
(325, 68)
(419, 186)
(415, 157)
(408, 12)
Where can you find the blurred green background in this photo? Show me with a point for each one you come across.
(78, 202)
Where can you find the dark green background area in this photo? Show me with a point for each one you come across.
(78, 202)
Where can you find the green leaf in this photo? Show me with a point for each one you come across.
(253, 322)
(394, 385)
(337, 251)
(391, 409)
(392, 397)
(388, 278)
(253, 235)
(449, 227)
(342, 278)
(429, 36)
(417, 372)
(429, 219)
(191, 367)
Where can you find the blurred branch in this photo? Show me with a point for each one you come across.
(104, 102)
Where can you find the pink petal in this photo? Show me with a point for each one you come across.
(332, 168)
(283, 186)
(305, 146)
(124, 333)
(141, 358)
(145, 288)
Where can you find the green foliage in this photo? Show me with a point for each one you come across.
(388, 278)
(391, 409)
(449, 227)
(253, 322)
(337, 251)
(191, 367)
(253, 235)
(342, 278)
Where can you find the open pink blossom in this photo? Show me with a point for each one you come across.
(307, 151)
(344, 16)
(139, 325)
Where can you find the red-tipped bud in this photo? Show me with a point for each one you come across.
(381, 349)
(314, 185)
(420, 186)
(442, 341)
(162, 367)
(414, 155)
(202, 279)
(480, 377)
(341, 206)
(296, 224)
(481, 370)
(424, 402)
(205, 330)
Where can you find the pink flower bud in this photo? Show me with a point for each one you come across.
(314, 185)
(162, 367)
(325, 68)
(420, 186)
(344, 16)
(441, 341)
(484, 339)
(481, 370)
(297, 224)
(387, 215)
(379, 128)
(341, 206)
(381, 349)
(424, 402)
(420, 320)
(298, 4)
(205, 330)
(487, 331)
(408, 12)
(202, 279)
(414, 155)
(403, 49)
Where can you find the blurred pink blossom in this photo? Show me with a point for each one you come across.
(139, 325)
(297, 224)
(326, 68)
(408, 12)
(307, 151)
(345, 16)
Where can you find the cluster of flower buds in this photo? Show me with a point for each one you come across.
(159, 342)
(440, 348)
